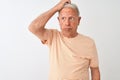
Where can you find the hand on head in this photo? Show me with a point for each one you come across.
(61, 4)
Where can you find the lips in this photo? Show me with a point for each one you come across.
(67, 29)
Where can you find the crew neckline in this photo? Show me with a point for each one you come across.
(69, 37)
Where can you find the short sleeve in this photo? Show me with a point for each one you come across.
(51, 33)
(94, 57)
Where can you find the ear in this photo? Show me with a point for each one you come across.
(58, 18)
(79, 20)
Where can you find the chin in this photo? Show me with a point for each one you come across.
(67, 32)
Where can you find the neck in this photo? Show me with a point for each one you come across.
(69, 35)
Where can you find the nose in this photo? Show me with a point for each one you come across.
(67, 22)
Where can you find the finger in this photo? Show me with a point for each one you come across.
(68, 2)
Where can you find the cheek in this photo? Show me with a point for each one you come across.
(74, 24)
(61, 23)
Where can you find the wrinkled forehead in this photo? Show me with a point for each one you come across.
(67, 11)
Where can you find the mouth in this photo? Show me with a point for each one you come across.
(67, 29)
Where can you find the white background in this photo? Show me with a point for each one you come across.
(22, 55)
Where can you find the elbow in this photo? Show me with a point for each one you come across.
(31, 28)
(35, 27)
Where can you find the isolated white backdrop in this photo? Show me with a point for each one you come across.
(23, 57)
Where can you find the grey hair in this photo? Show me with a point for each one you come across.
(71, 5)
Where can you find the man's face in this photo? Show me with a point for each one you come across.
(68, 20)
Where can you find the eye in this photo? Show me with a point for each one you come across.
(72, 18)
(63, 18)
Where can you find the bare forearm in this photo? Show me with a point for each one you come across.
(95, 74)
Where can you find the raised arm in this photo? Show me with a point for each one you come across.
(37, 26)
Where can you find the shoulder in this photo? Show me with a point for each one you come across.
(86, 39)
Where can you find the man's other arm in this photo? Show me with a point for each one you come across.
(95, 73)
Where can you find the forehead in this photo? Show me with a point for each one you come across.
(68, 11)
